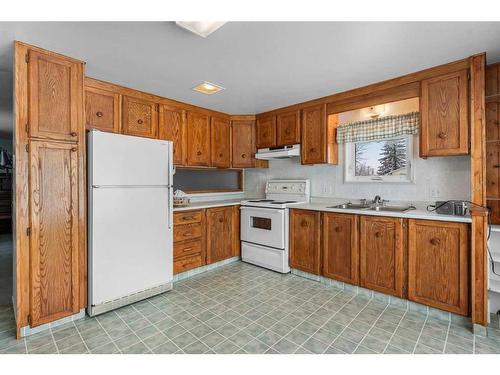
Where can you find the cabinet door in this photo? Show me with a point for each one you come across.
(139, 117)
(102, 110)
(220, 142)
(288, 128)
(243, 143)
(305, 234)
(55, 88)
(219, 234)
(381, 254)
(198, 139)
(313, 146)
(444, 115)
(340, 247)
(172, 127)
(54, 262)
(438, 265)
(266, 132)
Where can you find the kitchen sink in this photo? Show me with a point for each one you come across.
(392, 208)
(351, 206)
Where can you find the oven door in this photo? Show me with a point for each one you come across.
(263, 226)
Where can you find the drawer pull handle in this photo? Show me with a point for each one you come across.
(73, 134)
(378, 234)
(338, 229)
(98, 114)
(187, 249)
(186, 218)
(140, 121)
(442, 135)
(435, 241)
(187, 234)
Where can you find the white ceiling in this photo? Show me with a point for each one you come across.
(262, 65)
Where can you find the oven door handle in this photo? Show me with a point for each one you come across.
(259, 209)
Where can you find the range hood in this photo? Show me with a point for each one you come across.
(278, 152)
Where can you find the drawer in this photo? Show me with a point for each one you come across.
(187, 217)
(188, 248)
(186, 264)
(187, 232)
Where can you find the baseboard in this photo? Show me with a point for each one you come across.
(208, 267)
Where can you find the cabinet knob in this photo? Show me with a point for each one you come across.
(198, 153)
(74, 149)
(435, 241)
(220, 155)
(378, 234)
(140, 121)
(442, 135)
(73, 134)
(303, 223)
(243, 156)
(99, 114)
(338, 229)
(312, 149)
(287, 131)
(221, 220)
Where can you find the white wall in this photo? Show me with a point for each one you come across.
(436, 178)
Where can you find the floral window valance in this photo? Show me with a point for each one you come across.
(379, 128)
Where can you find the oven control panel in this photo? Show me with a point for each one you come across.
(295, 187)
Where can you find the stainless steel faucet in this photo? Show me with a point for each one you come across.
(377, 200)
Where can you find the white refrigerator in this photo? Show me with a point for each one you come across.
(129, 219)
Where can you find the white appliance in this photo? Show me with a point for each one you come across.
(278, 152)
(264, 223)
(129, 219)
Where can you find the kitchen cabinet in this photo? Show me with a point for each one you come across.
(102, 109)
(305, 246)
(172, 127)
(220, 233)
(243, 143)
(189, 240)
(288, 128)
(444, 114)
(266, 131)
(139, 117)
(54, 232)
(55, 95)
(340, 247)
(220, 142)
(198, 139)
(382, 254)
(318, 136)
(438, 265)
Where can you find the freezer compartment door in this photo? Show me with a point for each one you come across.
(130, 244)
(116, 159)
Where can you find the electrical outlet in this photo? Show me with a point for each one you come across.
(435, 192)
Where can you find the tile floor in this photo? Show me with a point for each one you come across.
(240, 308)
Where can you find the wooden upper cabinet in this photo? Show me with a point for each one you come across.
(318, 144)
(55, 90)
(243, 143)
(444, 113)
(172, 127)
(139, 117)
(220, 142)
(198, 139)
(266, 132)
(220, 235)
(381, 254)
(102, 109)
(340, 247)
(54, 239)
(288, 128)
(438, 265)
(305, 247)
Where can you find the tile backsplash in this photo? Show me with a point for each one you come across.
(436, 178)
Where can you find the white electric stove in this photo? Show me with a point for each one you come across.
(264, 223)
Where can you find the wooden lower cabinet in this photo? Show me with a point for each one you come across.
(189, 240)
(382, 254)
(438, 265)
(305, 247)
(340, 247)
(220, 233)
(54, 264)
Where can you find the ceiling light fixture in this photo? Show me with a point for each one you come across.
(200, 28)
(208, 88)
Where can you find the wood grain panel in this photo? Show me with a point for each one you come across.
(288, 128)
(187, 232)
(55, 87)
(341, 247)
(381, 254)
(219, 234)
(444, 111)
(187, 248)
(493, 170)
(220, 142)
(438, 264)
(198, 139)
(54, 253)
(305, 247)
(102, 110)
(243, 143)
(188, 263)
(266, 132)
(139, 117)
(187, 217)
(172, 127)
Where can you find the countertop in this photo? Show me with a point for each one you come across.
(208, 204)
(419, 213)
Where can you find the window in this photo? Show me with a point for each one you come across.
(384, 160)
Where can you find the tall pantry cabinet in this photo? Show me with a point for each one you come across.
(49, 202)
